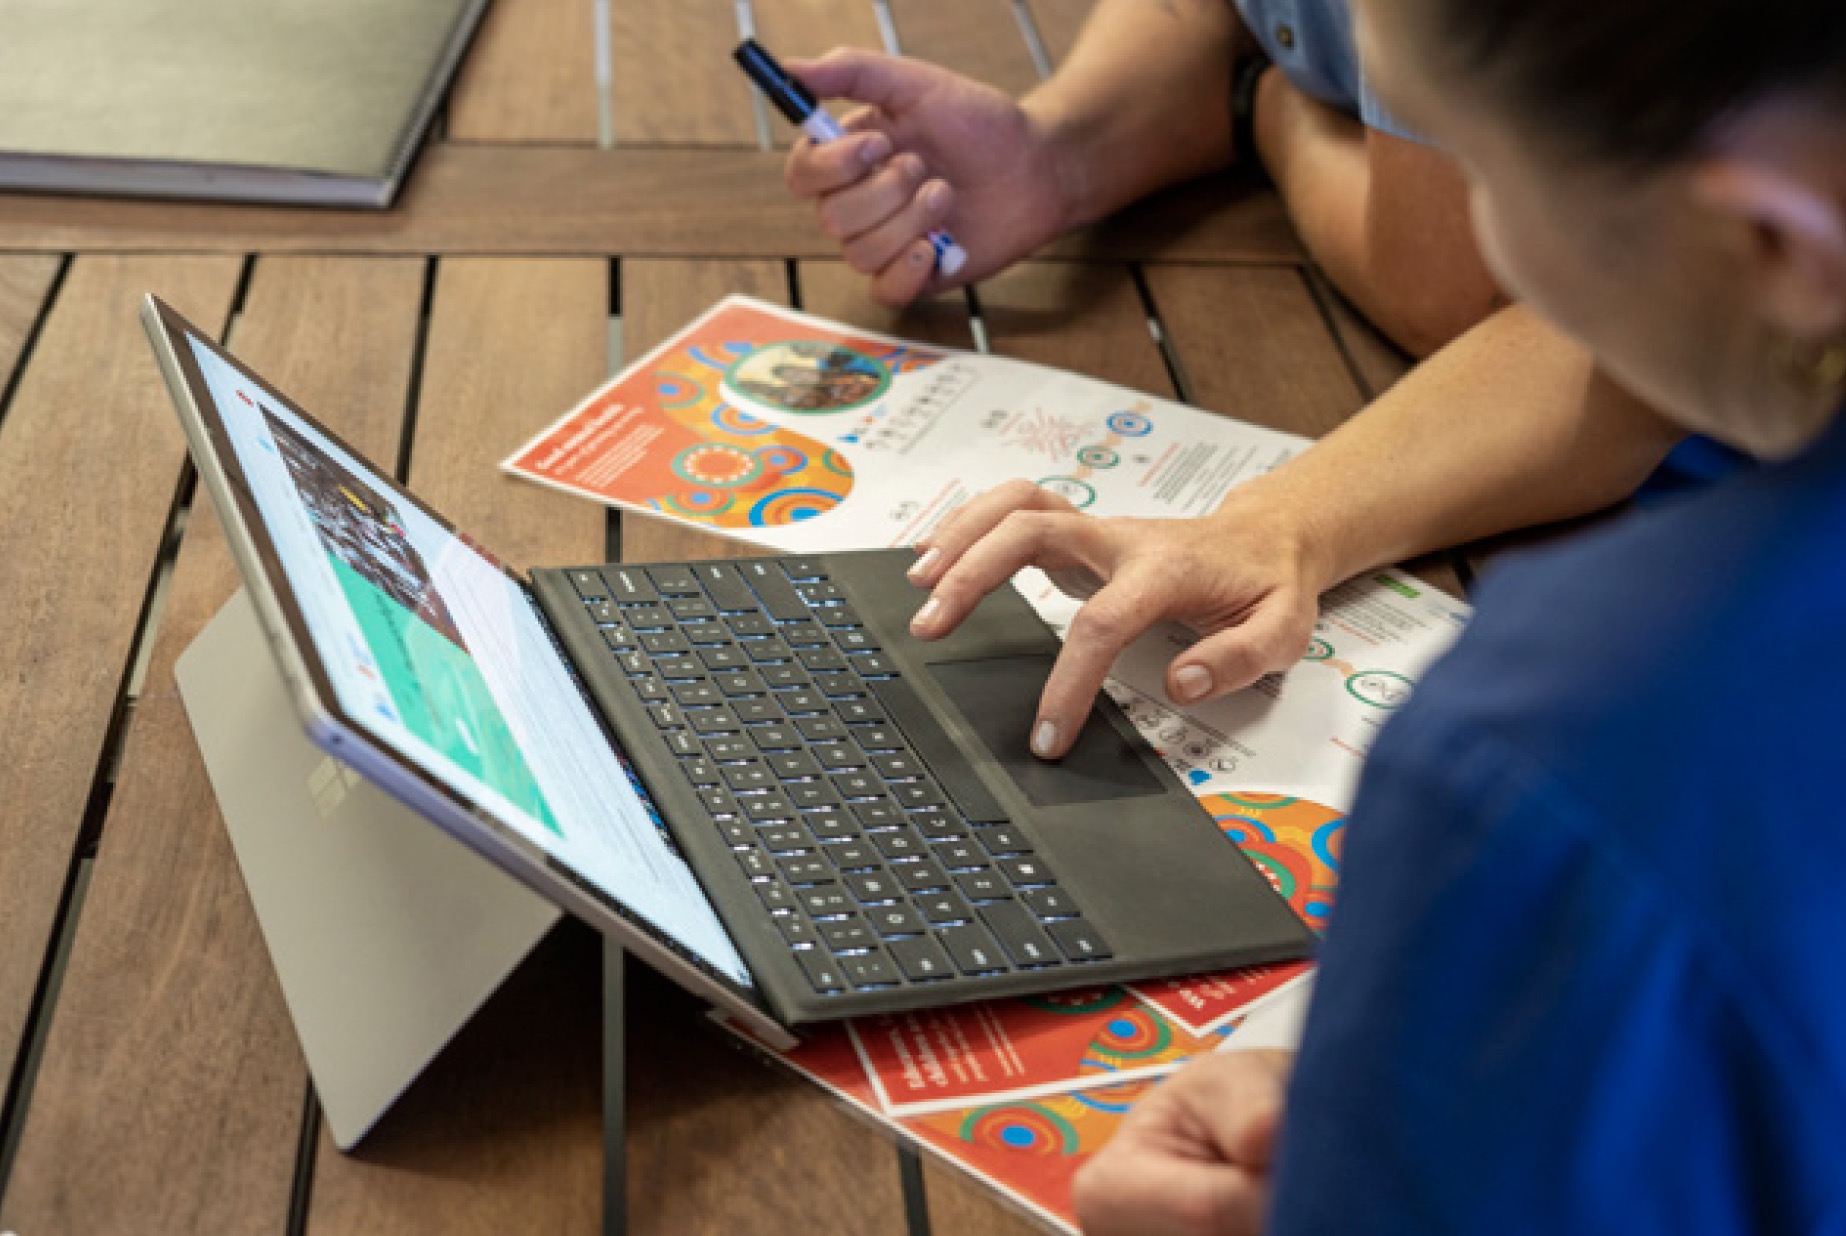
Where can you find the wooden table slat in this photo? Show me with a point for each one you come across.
(169, 1098)
(960, 1205)
(640, 202)
(977, 38)
(529, 76)
(90, 462)
(654, 48)
(514, 1142)
(1380, 363)
(25, 282)
(1058, 22)
(1086, 318)
(835, 290)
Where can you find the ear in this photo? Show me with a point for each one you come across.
(1795, 230)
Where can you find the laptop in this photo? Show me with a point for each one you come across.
(746, 772)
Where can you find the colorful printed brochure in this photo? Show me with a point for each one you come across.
(801, 435)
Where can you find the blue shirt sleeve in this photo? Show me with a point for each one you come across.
(1516, 1029)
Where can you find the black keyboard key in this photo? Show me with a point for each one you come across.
(775, 895)
(894, 765)
(945, 909)
(855, 712)
(823, 974)
(803, 568)
(793, 765)
(1003, 841)
(799, 933)
(749, 626)
(763, 808)
(728, 657)
(855, 639)
(892, 922)
(738, 832)
(961, 855)
(1079, 940)
(700, 771)
(726, 587)
(739, 682)
(871, 887)
(602, 611)
(805, 635)
(693, 694)
(919, 793)
(684, 742)
(636, 664)
(775, 738)
(630, 585)
(830, 824)
(667, 716)
(878, 813)
(704, 632)
(1027, 872)
(973, 950)
(730, 750)
(819, 593)
(873, 665)
(839, 756)
(804, 702)
(785, 840)
(938, 824)
(756, 863)
(803, 870)
(719, 801)
(709, 721)
(835, 617)
(826, 901)
(819, 660)
(821, 728)
(588, 582)
(766, 652)
(773, 589)
(839, 686)
(673, 581)
(757, 709)
(854, 856)
(650, 689)
(1020, 935)
(691, 609)
(785, 677)
(811, 794)
(620, 638)
(677, 667)
(650, 618)
(849, 934)
(1049, 902)
(922, 877)
(921, 959)
(754, 775)
(982, 886)
(871, 969)
(876, 738)
(897, 845)
(938, 750)
(856, 784)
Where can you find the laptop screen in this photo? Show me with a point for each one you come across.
(440, 656)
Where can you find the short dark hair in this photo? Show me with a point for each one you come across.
(1640, 82)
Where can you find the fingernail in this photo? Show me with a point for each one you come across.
(921, 568)
(875, 150)
(926, 615)
(1045, 739)
(936, 198)
(1193, 681)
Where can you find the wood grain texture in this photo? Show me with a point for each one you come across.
(25, 282)
(658, 298)
(507, 1137)
(655, 48)
(835, 290)
(530, 75)
(960, 1205)
(1085, 318)
(976, 38)
(724, 1144)
(90, 461)
(169, 1099)
(640, 202)
(1058, 23)
(719, 1143)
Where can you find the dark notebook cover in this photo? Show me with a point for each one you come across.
(319, 102)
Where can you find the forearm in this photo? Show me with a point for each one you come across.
(1142, 101)
(1510, 426)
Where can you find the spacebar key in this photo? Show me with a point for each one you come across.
(938, 750)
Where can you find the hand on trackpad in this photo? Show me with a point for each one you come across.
(998, 697)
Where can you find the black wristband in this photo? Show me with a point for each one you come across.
(1248, 76)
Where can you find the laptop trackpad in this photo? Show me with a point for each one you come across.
(998, 697)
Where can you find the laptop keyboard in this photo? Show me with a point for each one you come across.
(881, 856)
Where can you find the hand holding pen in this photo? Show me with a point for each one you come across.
(931, 153)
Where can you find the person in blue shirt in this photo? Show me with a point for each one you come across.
(1584, 975)
(1508, 424)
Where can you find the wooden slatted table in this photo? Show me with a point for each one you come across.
(153, 1082)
